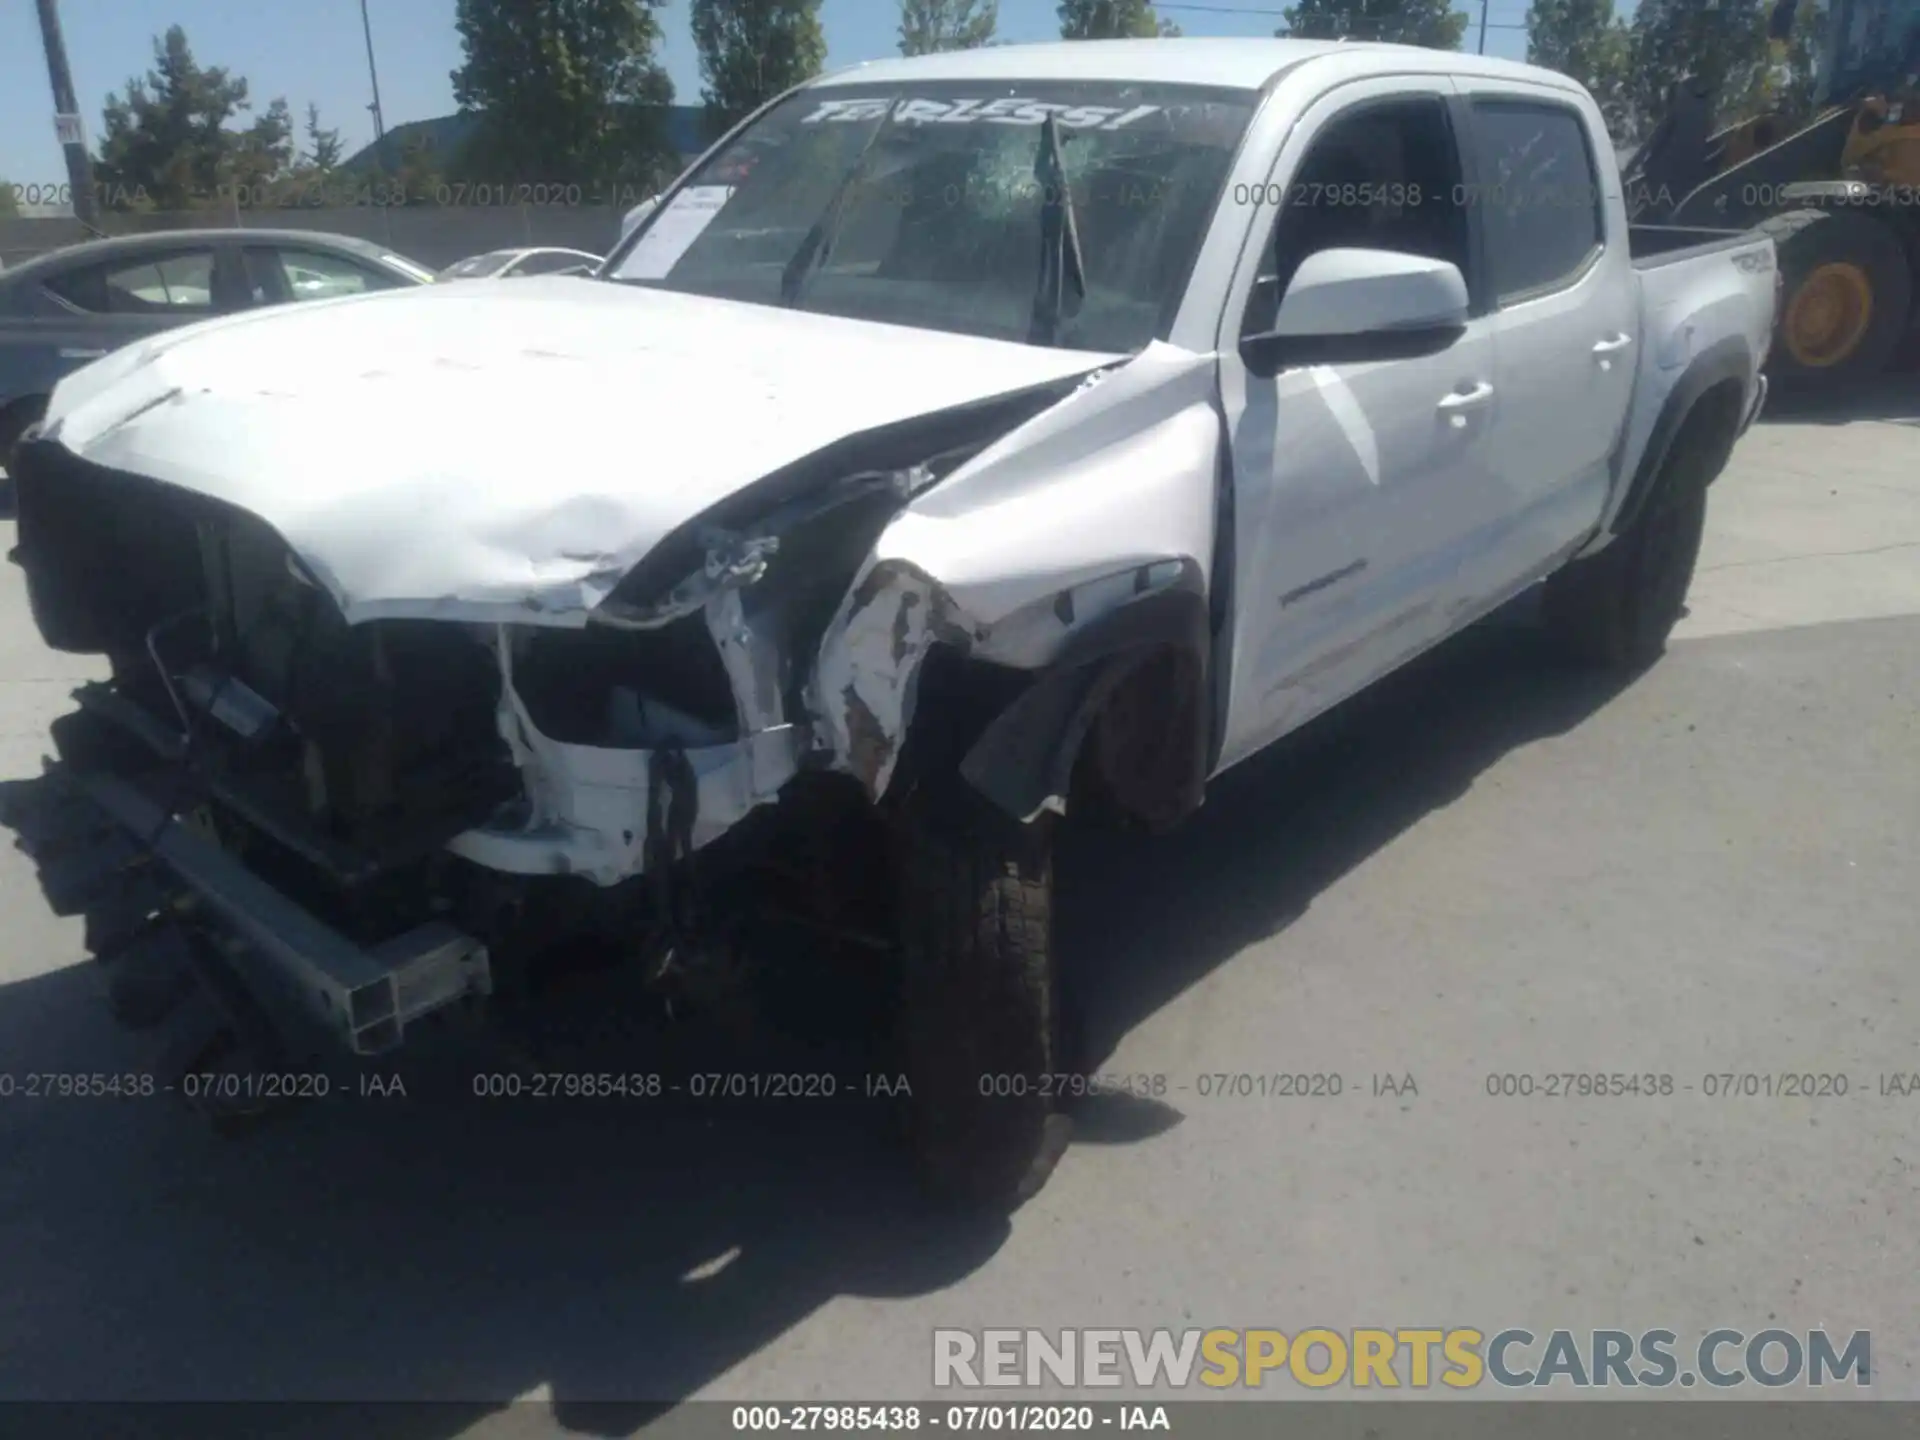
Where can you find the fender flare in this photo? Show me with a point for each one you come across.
(1023, 760)
(1728, 359)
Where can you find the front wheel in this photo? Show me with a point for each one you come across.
(979, 1003)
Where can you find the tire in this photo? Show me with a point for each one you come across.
(1858, 259)
(979, 1002)
(1615, 609)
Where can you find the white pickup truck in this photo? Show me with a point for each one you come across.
(965, 445)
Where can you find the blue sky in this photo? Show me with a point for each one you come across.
(314, 50)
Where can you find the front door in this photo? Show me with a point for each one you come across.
(1355, 485)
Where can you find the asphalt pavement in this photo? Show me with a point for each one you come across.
(1491, 867)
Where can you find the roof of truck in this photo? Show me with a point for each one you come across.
(1242, 64)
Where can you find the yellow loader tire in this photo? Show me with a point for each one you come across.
(1846, 297)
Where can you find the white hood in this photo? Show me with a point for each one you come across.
(507, 449)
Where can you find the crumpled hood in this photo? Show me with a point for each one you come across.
(507, 449)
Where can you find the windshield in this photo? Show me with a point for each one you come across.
(922, 208)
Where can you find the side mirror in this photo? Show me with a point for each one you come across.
(1359, 305)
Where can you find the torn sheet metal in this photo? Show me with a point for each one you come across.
(587, 806)
(1105, 495)
(1120, 474)
(507, 453)
(864, 681)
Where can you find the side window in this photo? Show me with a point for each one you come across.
(1383, 176)
(277, 273)
(177, 284)
(1539, 195)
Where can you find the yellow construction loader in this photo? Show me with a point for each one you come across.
(1839, 190)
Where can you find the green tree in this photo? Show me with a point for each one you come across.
(568, 91)
(262, 155)
(1718, 41)
(323, 146)
(1111, 20)
(930, 25)
(1780, 78)
(420, 175)
(752, 50)
(166, 138)
(8, 204)
(1582, 38)
(1432, 23)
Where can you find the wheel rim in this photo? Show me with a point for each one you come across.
(1829, 314)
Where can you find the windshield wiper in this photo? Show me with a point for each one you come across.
(818, 246)
(1061, 263)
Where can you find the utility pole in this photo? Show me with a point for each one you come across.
(379, 122)
(66, 118)
(1483, 27)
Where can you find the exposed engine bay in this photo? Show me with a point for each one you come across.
(465, 768)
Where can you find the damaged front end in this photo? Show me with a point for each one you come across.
(389, 812)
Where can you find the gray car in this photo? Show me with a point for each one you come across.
(63, 309)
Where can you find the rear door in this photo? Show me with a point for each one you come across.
(1565, 319)
(1355, 485)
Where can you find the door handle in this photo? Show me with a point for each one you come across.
(1608, 348)
(1461, 400)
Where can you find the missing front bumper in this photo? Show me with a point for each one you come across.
(364, 997)
(593, 803)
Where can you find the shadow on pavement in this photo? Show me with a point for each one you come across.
(1893, 397)
(625, 1254)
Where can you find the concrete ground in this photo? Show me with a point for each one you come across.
(1490, 867)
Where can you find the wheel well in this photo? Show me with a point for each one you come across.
(1137, 762)
(1704, 444)
(1696, 428)
(1120, 718)
(1120, 739)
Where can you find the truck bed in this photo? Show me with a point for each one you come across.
(1705, 294)
(1652, 246)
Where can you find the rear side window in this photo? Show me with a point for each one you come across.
(1538, 195)
(178, 284)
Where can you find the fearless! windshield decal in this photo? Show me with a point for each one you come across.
(1010, 110)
